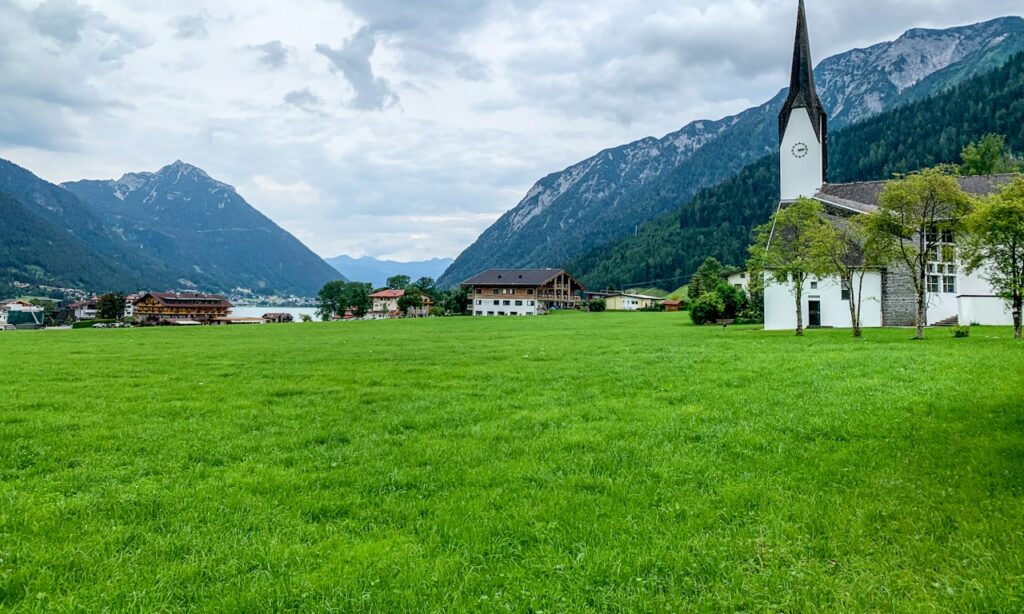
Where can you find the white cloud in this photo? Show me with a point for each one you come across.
(494, 94)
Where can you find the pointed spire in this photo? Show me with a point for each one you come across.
(802, 92)
(802, 79)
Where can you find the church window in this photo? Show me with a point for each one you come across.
(814, 285)
(949, 284)
(846, 294)
(933, 284)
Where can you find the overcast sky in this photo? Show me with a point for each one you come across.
(396, 128)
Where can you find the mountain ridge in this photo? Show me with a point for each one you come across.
(204, 231)
(376, 271)
(599, 200)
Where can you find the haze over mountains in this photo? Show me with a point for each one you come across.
(610, 195)
(376, 272)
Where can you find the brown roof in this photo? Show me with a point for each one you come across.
(863, 196)
(388, 294)
(186, 300)
(514, 277)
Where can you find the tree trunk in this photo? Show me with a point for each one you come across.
(854, 316)
(1018, 307)
(922, 286)
(799, 294)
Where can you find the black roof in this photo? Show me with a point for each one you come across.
(513, 277)
(802, 93)
(863, 196)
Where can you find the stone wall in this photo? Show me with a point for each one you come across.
(899, 298)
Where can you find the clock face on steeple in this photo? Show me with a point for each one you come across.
(800, 150)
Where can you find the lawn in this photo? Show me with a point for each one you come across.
(605, 462)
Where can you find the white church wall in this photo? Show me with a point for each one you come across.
(801, 175)
(986, 310)
(977, 302)
(780, 307)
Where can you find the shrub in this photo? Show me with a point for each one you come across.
(597, 305)
(961, 332)
(89, 323)
(734, 300)
(706, 309)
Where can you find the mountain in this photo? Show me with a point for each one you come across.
(608, 196)
(719, 220)
(376, 272)
(203, 231)
(50, 237)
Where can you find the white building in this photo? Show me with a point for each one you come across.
(888, 295)
(21, 314)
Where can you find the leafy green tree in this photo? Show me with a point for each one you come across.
(916, 213)
(412, 299)
(784, 249)
(843, 249)
(110, 306)
(707, 308)
(399, 282)
(330, 300)
(455, 301)
(706, 279)
(426, 285)
(338, 297)
(988, 156)
(995, 246)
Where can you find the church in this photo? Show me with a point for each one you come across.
(889, 298)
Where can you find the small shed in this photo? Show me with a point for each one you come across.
(673, 305)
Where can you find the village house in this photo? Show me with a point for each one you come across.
(129, 305)
(738, 279)
(525, 292)
(85, 310)
(385, 306)
(625, 301)
(21, 314)
(156, 308)
(888, 297)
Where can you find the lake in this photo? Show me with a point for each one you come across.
(257, 312)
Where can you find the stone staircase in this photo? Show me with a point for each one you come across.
(954, 321)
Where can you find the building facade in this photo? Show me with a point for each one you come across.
(888, 296)
(525, 292)
(157, 308)
(384, 306)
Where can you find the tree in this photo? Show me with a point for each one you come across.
(110, 306)
(399, 282)
(338, 297)
(995, 246)
(706, 279)
(412, 299)
(919, 217)
(843, 249)
(988, 156)
(426, 285)
(707, 308)
(784, 249)
(455, 301)
(330, 301)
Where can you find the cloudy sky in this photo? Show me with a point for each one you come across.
(395, 128)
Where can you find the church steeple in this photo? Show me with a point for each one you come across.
(802, 93)
(803, 123)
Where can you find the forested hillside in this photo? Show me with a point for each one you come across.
(718, 221)
(605, 197)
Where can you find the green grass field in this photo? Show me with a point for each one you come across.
(605, 462)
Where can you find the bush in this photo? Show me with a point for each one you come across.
(89, 323)
(706, 309)
(734, 300)
(961, 332)
(597, 305)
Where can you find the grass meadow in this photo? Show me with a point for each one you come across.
(605, 462)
